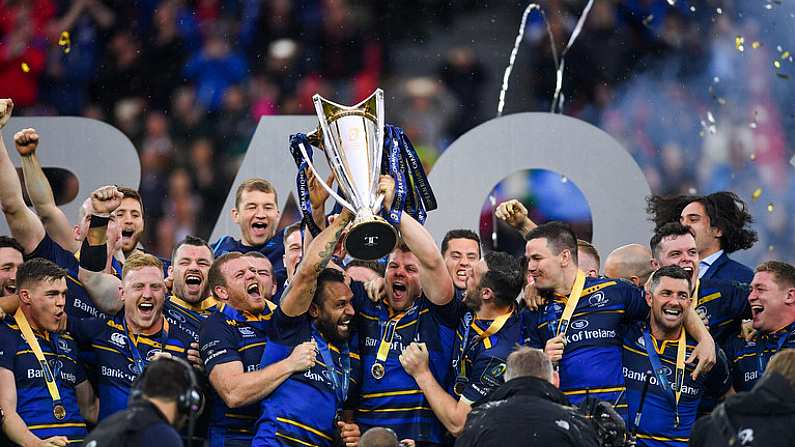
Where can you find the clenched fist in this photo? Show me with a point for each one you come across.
(415, 359)
(303, 356)
(6, 107)
(105, 200)
(513, 213)
(26, 141)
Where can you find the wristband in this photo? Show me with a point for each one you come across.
(93, 257)
(99, 221)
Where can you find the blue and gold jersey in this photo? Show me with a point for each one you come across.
(593, 338)
(34, 403)
(78, 303)
(725, 305)
(188, 316)
(302, 410)
(273, 249)
(748, 359)
(395, 400)
(107, 347)
(658, 423)
(230, 336)
(480, 350)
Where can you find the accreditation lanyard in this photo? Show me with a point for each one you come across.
(388, 334)
(571, 303)
(672, 394)
(49, 378)
(339, 381)
(483, 335)
(132, 340)
(762, 344)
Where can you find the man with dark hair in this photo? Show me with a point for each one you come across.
(763, 416)
(461, 250)
(293, 248)
(190, 301)
(772, 301)
(528, 410)
(580, 324)
(163, 399)
(489, 330)
(722, 225)
(316, 308)
(43, 389)
(661, 345)
(721, 304)
(11, 257)
(257, 214)
(129, 216)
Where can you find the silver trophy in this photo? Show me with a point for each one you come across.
(352, 138)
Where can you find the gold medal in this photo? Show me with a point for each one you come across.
(377, 371)
(59, 411)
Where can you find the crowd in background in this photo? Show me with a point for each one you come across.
(188, 80)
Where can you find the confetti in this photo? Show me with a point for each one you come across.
(65, 42)
(757, 194)
(692, 191)
(777, 64)
(692, 9)
(752, 125)
(738, 43)
(710, 117)
(719, 11)
(25, 67)
(792, 161)
(671, 2)
(770, 207)
(768, 6)
(785, 55)
(770, 248)
(753, 156)
(755, 44)
(564, 179)
(716, 79)
(648, 19)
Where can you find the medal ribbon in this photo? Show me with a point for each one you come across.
(571, 303)
(30, 338)
(674, 394)
(302, 181)
(761, 344)
(132, 340)
(339, 382)
(388, 335)
(469, 322)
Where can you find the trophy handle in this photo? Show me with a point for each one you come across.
(328, 189)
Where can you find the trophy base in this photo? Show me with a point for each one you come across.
(370, 238)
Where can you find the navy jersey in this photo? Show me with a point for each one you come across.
(396, 400)
(188, 316)
(301, 411)
(78, 303)
(593, 337)
(657, 426)
(34, 403)
(748, 359)
(478, 363)
(273, 249)
(107, 348)
(725, 305)
(230, 336)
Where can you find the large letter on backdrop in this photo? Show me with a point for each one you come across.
(96, 153)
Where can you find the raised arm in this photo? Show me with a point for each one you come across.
(514, 214)
(435, 280)
(298, 296)
(40, 192)
(25, 226)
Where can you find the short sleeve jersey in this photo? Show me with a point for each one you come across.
(78, 303)
(724, 304)
(748, 359)
(107, 347)
(395, 400)
(34, 403)
(593, 338)
(302, 410)
(657, 426)
(273, 249)
(230, 336)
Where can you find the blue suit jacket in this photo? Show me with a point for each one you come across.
(726, 269)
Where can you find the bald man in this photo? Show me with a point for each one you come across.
(630, 262)
(379, 437)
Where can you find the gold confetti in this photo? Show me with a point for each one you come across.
(757, 194)
(770, 207)
(756, 44)
(777, 64)
(25, 67)
(785, 55)
(65, 42)
(738, 43)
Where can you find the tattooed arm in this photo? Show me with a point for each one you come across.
(298, 296)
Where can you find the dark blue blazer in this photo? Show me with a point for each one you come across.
(726, 269)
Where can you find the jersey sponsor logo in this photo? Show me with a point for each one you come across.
(118, 339)
(87, 308)
(315, 377)
(252, 368)
(598, 299)
(246, 331)
(213, 355)
(750, 376)
(151, 354)
(639, 376)
(178, 318)
(595, 334)
(115, 373)
(579, 324)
